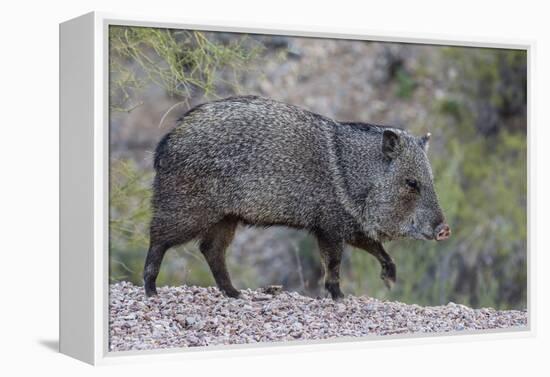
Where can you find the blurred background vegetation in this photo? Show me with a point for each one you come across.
(472, 100)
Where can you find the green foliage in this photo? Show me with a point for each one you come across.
(129, 214)
(452, 108)
(178, 61)
(496, 78)
(405, 84)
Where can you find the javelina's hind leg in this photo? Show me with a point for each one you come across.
(331, 255)
(152, 266)
(375, 248)
(164, 235)
(212, 246)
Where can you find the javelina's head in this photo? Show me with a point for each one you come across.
(407, 205)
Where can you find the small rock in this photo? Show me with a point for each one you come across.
(273, 289)
(340, 308)
(180, 319)
(262, 297)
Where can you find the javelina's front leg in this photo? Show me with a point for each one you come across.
(377, 250)
(331, 250)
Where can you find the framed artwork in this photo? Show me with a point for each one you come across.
(226, 187)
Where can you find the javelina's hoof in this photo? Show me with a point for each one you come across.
(388, 274)
(150, 291)
(233, 293)
(334, 290)
(337, 297)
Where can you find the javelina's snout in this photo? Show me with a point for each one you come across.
(442, 232)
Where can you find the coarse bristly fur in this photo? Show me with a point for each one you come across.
(262, 162)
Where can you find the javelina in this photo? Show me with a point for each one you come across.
(257, 161)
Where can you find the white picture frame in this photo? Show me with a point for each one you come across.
(84, 159)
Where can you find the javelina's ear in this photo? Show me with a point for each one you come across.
(390, 144)
(424, 141)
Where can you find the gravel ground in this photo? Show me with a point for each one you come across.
(196, 316)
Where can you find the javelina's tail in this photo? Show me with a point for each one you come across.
(162, 146)
(160, 151)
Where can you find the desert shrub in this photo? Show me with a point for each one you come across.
(180, 62)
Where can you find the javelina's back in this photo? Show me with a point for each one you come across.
(249, 157)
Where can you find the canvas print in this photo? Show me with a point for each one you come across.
(277, 189)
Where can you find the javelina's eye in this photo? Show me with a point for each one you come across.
(412, 184)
